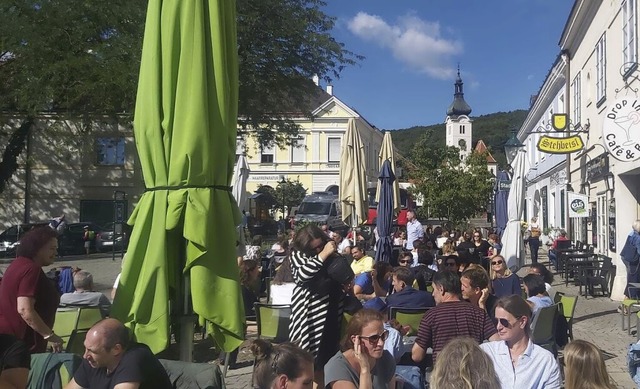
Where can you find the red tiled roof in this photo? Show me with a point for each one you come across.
(481, 148)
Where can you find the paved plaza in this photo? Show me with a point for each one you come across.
(596, 320)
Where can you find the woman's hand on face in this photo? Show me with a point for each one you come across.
(361, 354)
(328, 250)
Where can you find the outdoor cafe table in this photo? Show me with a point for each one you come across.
(576, 262)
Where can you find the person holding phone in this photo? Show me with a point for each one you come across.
(362, 361)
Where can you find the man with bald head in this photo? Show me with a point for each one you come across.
(111, 361)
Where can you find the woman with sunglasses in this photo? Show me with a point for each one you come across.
(482, 246)
(521, 363)
(316, 310)
(503, 281)
(362, 362)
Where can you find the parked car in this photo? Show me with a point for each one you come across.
(72, 238)
(9, 239)
(105, 239)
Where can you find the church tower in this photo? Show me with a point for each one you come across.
(458, 124)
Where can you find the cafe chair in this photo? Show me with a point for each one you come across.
(567, 309)
(600, 277)
(408, 316)
(543, 328)
(273, 322)
(189, 375)
(627, 307)
(71, 321)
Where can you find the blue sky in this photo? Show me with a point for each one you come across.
(412, 47)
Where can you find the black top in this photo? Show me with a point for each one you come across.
(138, 364)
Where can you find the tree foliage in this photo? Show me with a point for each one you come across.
(286, 194)
(80, 60)
(450, 189)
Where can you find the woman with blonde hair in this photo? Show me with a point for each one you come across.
(463, 365)
(503, 281)
(584, 367)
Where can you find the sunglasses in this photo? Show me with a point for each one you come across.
(497, 262)
(505, 323)
(374, 339)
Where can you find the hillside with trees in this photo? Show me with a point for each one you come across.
(494, 129)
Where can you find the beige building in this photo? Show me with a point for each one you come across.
(315, 161)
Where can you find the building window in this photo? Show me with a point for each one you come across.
(602, 224)
(462, 129)
(601, 70)
(110, 151)
(629, 49)
(298, 151)
(334, 150)
(575, 86)
(266, 154)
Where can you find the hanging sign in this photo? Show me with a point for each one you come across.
(621, 129)
(553, 145)
(578, 204)
(559, 121)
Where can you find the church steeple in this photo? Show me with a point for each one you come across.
(458, 106)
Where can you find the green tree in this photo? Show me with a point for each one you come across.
(79, 61)
(286, 194)
(451, 189)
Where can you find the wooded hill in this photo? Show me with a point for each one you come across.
(494, 129)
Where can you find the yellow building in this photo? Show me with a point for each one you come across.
(315, 162)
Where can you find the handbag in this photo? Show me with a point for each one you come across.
(629, 253)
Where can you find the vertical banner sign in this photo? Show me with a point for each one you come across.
(621, 129)
(578, 205)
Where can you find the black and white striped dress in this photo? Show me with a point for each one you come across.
(310, 311)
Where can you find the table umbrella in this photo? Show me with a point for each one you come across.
(386, 153)
(384, 223)
(239, 190)
(181, 258)
(512, 245)
(353, 178)
(500, 202)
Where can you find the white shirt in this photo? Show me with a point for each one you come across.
(414, 232)
(536, 367)
(281, 294)
(343, 245)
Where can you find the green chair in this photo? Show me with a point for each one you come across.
(65, 324)
(87, 317)
(346, 318)
(273, 321)
(408, 316)
(627, 307)
(567, 309)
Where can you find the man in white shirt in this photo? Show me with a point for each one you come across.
(343, 245)
(414, 229)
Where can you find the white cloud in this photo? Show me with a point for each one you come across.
(417, 43)
(530, 77)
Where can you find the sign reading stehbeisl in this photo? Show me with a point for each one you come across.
(557, 144)
(621, 129)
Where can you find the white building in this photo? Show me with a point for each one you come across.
(458, 125)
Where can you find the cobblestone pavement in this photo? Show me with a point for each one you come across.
(595, 320)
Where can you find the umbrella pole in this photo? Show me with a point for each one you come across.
(186, 324)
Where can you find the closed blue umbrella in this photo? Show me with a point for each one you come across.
(502, 194)
(384, 245)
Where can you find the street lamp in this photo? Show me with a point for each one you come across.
(512, 146)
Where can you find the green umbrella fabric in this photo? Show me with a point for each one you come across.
(185, 132)
(353, 177)
(386, 153)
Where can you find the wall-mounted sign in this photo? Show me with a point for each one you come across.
(552, 145)
(621, 129)
(578, 204)
(559, 121)
(598, 167)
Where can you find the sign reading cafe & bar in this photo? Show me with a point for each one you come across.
(621, 129)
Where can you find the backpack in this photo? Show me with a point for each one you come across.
(91, 235)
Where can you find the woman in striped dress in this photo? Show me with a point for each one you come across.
(316, 306)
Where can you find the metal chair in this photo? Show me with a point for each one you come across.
(567, 308)
(408, 316)
(543, 328)
(273, 321)
(600, 277)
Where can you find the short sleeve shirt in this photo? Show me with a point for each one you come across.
(25, 278)
(339, 369)
(365, 282)
(137, 365)
(450, 320)
(362, 265)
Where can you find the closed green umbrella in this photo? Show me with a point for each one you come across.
(182, 248)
